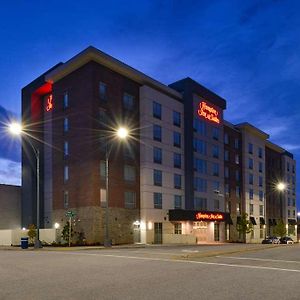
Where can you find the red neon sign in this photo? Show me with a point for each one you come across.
(209, 216)
(49, 104)
(208, 112)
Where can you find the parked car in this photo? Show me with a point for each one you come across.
(286, 240)
(271, 240)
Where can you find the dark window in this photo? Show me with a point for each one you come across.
(226, 155)
(215, 169)
(157, 133)
(156, 110)
(215, 133)
(177, 160)
(177, 181)
(157, 155)
(157, 200)
(250, 163)
(176, 139)
(128, 101)
(200, 184)
(200, 165)
(250, 148)
(177, 201)
(260, 152)
(199, 126)
(66, 199)
(176, 118)
(66, 124)
(260, 167)
(200, 203)
(66, 100)
(130, 200)
(236, 143)
(250, 178)
(215, 151)
(157, 177)
(102, 91)
(199, 146)
(226, 138)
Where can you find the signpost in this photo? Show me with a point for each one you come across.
(70, 214)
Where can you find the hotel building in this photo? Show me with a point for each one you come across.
(184, 174)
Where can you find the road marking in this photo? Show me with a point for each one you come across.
(190, 251)
(191, 262)
(259, 259)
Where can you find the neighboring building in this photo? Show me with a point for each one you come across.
(10, 206)
(185, 174)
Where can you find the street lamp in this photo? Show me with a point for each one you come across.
(16, 129)
(122, 133)
(281, 186)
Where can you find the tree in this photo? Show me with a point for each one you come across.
(66, 232)
(31, 233)
(243, 225)
(280, 229)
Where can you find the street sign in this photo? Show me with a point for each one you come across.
(70, 214)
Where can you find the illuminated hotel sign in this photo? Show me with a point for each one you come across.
(49, 103)
(209, 216)
(208, 112)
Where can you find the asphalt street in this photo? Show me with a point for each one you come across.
(177, 272)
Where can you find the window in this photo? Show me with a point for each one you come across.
(237, 175)
(236, 143)
(102, 169)
(237, 191)
(200, 203)
(215, 169)
(66, 124)
(226, 172)
(177, 201)
(66, 148)
(226, 138)
(227, 189)
(251, 194)
(176, 118)
(157, 200)
(289, 213)
(200, 184)
(216, 204)
(261, 195)
(261, 210)
(66, 100)
(215, 133)
(128, 101)
(157, 155)
(260, 181)
(103, 119)
(176, 139)
(199, 126)
(237, 159)
(157, 177)
(226, 155)
(177, 160)
(157, 133)
(250, 148)
(289, 202)
(260, 152)
(177, 228)
(66, 199)
(215, 151)
(129, 173)
(199, 146)
(177, 181)
(130, 200)
(260, 167)
(216, 186)
(250, 178)
(200, 165)
(156, 110)
(102, 91)
(128, 152)
(103, 197)
(251, 209)
(250, 163)
(66, 173)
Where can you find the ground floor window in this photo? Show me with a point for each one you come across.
(216, 232)
(178, 228)
(291, 230)
(261, 231)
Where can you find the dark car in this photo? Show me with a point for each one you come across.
(271, 240)
(286, 240)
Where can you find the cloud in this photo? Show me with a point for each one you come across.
(10, 172)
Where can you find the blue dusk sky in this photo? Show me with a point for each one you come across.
(245, 51)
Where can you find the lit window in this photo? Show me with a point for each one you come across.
(177, 228)
(103, 197)
(157, 199)
(130, 200)
(156, 110)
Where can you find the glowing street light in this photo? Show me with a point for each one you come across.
(56, 225)
(122, 133)
(16, 129)
(281, 186)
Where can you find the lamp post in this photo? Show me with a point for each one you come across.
(16, 129)
(122, 134)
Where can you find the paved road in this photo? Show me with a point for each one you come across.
(205, 272)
